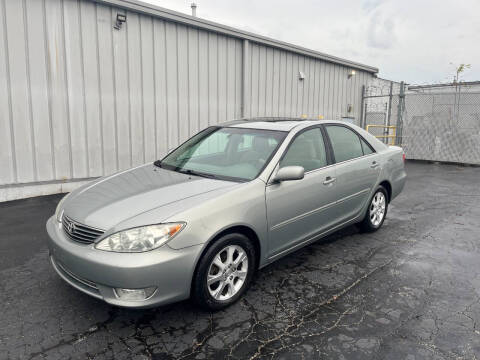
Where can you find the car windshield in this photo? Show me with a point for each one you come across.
(227, 153)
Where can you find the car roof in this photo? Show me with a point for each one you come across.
(274, 123)
(297, 124)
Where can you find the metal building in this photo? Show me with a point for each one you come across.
(84, 94)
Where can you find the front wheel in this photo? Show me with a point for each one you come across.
(224, 272)
(376, 212)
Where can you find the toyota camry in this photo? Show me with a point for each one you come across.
(230, 200)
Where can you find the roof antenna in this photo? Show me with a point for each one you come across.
(194, 9)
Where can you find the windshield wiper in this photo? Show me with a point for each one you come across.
(193, 172)
(158, 163)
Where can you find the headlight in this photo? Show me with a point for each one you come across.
(58, 213)
(140, 239)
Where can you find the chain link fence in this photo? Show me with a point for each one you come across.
(442, 127)
(437, 126)
(381, 103)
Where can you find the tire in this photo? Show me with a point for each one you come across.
(371, 222)
(228, 283)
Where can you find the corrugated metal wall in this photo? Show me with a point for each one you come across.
(80, 99)
(275, 88)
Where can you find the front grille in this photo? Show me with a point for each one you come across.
(79, 232)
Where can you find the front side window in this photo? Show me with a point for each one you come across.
(345, 143)
(307, 150)
(225, 153)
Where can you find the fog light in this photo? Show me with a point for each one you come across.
(135, 294)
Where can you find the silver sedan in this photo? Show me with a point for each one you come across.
(230, 200)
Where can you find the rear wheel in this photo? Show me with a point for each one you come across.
(376, 212)
(224, 272)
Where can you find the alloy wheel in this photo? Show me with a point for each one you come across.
(377, 208)
(227, 272)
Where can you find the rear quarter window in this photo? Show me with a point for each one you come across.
(367, 149)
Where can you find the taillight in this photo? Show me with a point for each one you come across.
(404, 157)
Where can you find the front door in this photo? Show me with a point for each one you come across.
(299, 209)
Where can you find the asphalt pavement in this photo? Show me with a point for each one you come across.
(409, 291)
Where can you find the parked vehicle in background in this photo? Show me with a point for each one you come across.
(231, 199)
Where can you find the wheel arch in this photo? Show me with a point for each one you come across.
(241, 229)
(386, 184)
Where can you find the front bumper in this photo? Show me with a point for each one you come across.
(98, 272)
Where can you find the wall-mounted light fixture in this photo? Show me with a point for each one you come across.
(121, 18)
(301, 75)
(351, 73)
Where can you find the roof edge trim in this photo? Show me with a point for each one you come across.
(156, 11)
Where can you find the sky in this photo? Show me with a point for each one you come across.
(417, 41)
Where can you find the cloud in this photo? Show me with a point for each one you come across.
(407, 40)
(381, 31)
(370, 5)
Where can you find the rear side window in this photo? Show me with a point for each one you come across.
(367, 149)
(345, 143)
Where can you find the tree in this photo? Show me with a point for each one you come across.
(460, 69)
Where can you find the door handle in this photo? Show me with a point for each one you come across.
(374, 165)
(329, 180)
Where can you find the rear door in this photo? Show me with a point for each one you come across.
(298, 209)
(357, 170)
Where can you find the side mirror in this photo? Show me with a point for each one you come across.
(289, 173)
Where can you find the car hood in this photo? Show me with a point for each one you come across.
(117, 198)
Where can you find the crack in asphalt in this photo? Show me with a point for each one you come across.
(79, 337)
(410, 290)
(300, 321)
